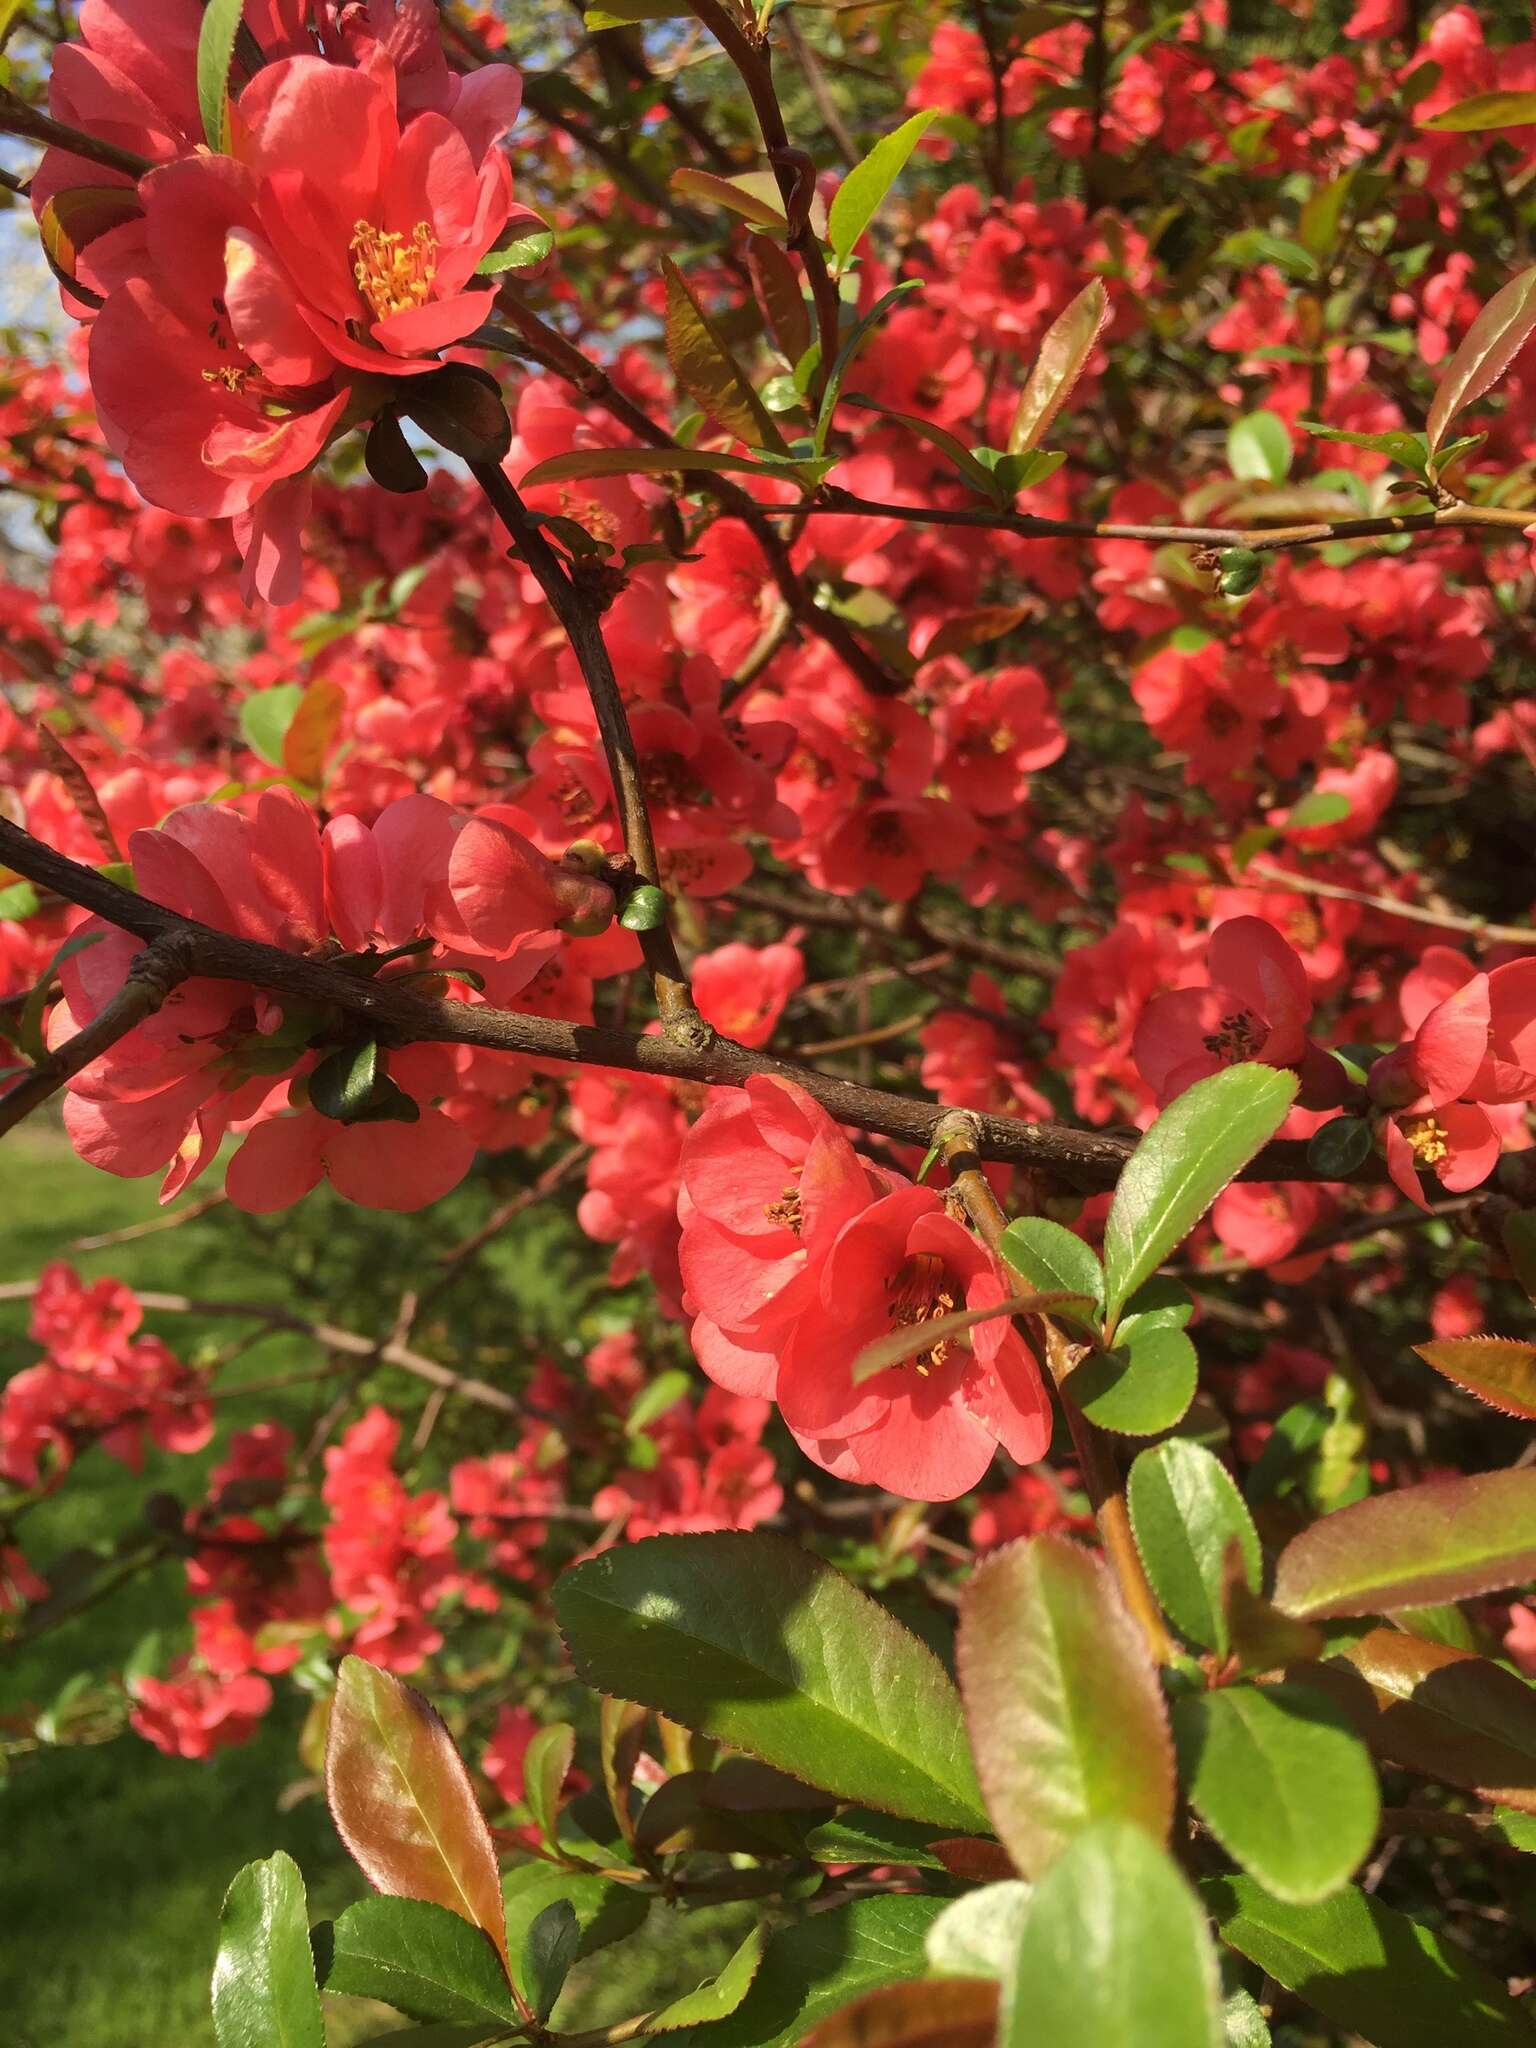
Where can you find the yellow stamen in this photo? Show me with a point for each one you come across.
(1427, 1138)
(918, 1295)
(394, 272)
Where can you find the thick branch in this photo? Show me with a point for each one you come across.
(17, 118)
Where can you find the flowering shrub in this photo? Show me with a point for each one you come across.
(881, 664)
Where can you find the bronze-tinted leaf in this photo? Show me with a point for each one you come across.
(403, 1803)
(1487, 349)
(1498, 1370)
(1445, 1713)
(621, 1730)
(312, 730)
(1066, 1718)
(777, 284)
(704, 366)
(1064, 351)
(1446, 1541)
(930, 2012)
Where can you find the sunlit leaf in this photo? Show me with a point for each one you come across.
(703, 363)
(1064, 351)
(1498, 1370)
(1484, 110)
(264, 1993)
(1185, 1513)
(1486, 351)
(215, 55)
(859, 197)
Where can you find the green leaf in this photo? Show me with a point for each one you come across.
(518, 251)
(1449, 1540)
(859, 197)
(1441, 1711)
(1067, 1721)
(976, 473)
(629, 13)
(1114, 1952)
(215, 55)
(1051, 1259)
(342, 1086)
(645, 910)
(1484, 110)
(264, 1993)
(266, 715)
(1259, 447)
(546, 1763)
(1201, 1141)
(719, 1996)
(848, 353)
(551, 1944)
(1340, 1147)
(1487, 349)
(977, 1935)
(605, 1911)
(422, 1959)
(911, 1340)
(1141, 1387)
(1318, 807)
(1282, 1782)
(1410, 450)
(1186, 1512)
(857, 1836)
(18, 901)
(1064, 351)
(748, 1638)
(702, 362)
(1372, 1971)
(818, 1965)
(1245, 2024)
(1499, 1370)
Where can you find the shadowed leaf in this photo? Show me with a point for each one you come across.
(423, 1960)
(957, 2012)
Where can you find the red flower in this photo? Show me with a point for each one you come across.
(926, 1429)
(742, 990)
(192, 1713)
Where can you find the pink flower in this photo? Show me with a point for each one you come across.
(193, 1713)
(742, 989)
(928, 1428)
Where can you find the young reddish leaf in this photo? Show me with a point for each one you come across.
(726, 192)
(1498, 1370)
(1488, 348)
(1446, 1541)
(1442, 1712)
(1064, 351)
(403, 1803)
(932, 2012)
(1067, 1721)
(974, 1858)
(621, 1730)
(313, 729)
(777, 284)
(703, 364)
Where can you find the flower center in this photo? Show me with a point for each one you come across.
(786, 1210)
(918, 1293)
(1241, 1037)
(1427, 1137)
(394, 271)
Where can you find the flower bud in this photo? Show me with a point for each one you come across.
(1238, 571)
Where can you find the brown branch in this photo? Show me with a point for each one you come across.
(580, 614)
(1388, 906)
(17, 118)
(151, 977)
(958, 1135)
(1085, 1160)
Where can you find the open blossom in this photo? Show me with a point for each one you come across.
(193, 1713)
(224, 1055)
(742, 990)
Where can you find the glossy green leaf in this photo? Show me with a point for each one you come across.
(718, 1997)
(1441, 1711)
(264, 1993)
(1369, 1969)
(518, 251)
(423, 1960)
(546, 1762)
(1283, 1783)
(1484, 110)
(859, 197)
(342, 1085)
(1259, 447)
(702, 361)
(1449, 1540)
(1064, 351)
(266, 715)
(215, 55)
(605, 1911)
(819, 1964)
(858, 1836)
(551, 1945)
(403, 1803)
(1201, 1141)
(1141, 1387)
(1486, 351)
(1499, 1370)
(1051, 1258)
(748, 1638)
(1114, 1952)
(1066, 1717)
(1185, 1513)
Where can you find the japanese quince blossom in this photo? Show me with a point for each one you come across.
(795, 1256)
(223, 1056)
(250, 300)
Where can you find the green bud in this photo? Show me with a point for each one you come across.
(646, 910)
(1239, 570)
